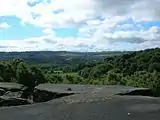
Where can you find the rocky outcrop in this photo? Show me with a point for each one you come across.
(12, 94)
(138, 91)
(43, 95)
(11, 101)
(11, 86)
(88, 103)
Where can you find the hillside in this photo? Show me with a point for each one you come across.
(147, 60)
(56, 59)
(139, 69)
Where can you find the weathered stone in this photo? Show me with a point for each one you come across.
(43, 95)
(13, 94)
(11, 86)
(8, 101)
(2, 91)
(88, 103)
(138, 91)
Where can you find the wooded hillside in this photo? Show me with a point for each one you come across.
(140, 69)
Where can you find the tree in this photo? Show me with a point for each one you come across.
(54, 78)
(6, 71)
(23, 75)
(154, 67)
(84, 72)
(37, 76)
(100, 70)
(115, 78)
(70, 78)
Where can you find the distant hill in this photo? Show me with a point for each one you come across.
(57, 58)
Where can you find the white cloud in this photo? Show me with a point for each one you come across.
(120, 40)
(4, 25)
(152, 34)
(16, 8)
(94, 33)
(79, 10)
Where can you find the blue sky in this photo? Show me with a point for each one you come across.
(17, 31)
(78, 25)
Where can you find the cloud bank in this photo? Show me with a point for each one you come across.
(99, 24)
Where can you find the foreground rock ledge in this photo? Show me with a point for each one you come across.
(87, 102)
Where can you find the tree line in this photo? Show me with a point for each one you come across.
(139, 69)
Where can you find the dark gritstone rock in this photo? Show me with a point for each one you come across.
(11, 94)
(43, 96)
(14, 87)
(138, 91)
(85, 102)
(2, 91)
(115, 108)
(9, 101)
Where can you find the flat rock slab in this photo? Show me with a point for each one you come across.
(10, 86)
(9, 101)
(116, 108)
(62, 88)
(91, 102)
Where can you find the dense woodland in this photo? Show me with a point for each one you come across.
(140, 69)
(57, 60)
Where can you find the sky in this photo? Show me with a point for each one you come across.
(79, 25)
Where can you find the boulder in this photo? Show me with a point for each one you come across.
(11, 94)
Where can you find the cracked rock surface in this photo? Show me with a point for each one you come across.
(87, 102)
